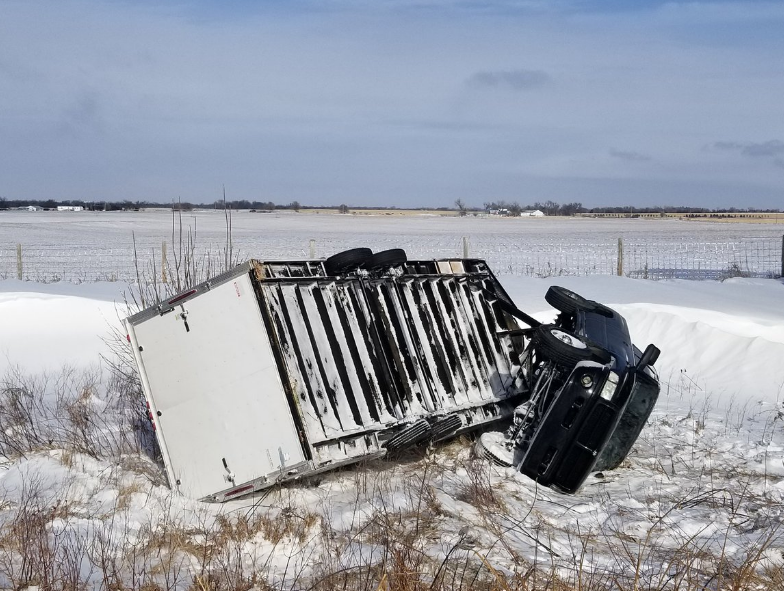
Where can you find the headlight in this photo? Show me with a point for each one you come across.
(608, 390)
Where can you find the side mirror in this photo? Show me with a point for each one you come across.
(650, 356)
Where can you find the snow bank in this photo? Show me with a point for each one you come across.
(727, 338)
(46, 326)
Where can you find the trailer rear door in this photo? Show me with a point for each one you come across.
(210, 372)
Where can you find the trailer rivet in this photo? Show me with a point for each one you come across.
(159, 413)
(586, 381)
(141, 348)
(178, 482)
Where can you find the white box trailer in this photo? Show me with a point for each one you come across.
(279, 370)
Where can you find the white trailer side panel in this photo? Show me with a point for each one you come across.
(212, 376)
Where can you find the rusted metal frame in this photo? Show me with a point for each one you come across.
(288, 269)
(319, 422)
(400, 345)
(448, 307)
(375, 373)
(342, 354)
(474, 384)
(479, 339)
(433, 288)
(328, 356)
(356, 324)
(355, 318)
(311, 368)
(429, 357)
(355, 356)
(507, 325)
(455, 347)
(379, 355)
(464, 318)
(329, 397)
(343, 314)
(430, 398)
(292, 394)
(499, 352)
(423, 293)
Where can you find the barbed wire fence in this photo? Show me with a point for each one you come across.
(645, 258)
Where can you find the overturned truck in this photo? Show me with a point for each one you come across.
(278, 370)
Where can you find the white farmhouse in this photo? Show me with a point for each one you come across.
(70, 208)
(532, 213)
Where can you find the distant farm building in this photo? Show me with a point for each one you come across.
(70, 208)
(532, 213)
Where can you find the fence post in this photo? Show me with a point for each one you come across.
(163, 263)
(19, 261)
(312, 249)
(782, 256)
(620, 257)
(465, 247)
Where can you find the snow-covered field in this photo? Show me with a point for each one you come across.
(88, 246)
(697, 505)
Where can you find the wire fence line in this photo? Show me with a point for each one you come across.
(649, 257)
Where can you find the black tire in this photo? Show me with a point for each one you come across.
(347, 260)
(565, 300)
(387, 258)
(445, 427)
(565, 348)
(409, 437)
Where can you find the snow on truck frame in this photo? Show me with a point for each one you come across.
(277, 370)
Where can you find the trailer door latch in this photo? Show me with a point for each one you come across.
(184, 317)
(230, 476)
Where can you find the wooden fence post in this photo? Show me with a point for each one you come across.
(163, 263)
(312, 249)
(782, 256)
(620, 257)
(465, 247)
(19, 273)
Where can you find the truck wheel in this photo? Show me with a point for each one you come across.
(387, 258)
(410, 436)
(347, 260)
(444, 428)
(565, 300)
(566, 348)
(494, 446)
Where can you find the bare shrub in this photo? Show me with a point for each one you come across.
(37, 544)
(68, 410)
(478, 489)
(190, 262)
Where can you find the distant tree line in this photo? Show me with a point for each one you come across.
(128, 205)
(679, 209)
(550, 208)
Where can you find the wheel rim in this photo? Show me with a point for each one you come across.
(570, 340)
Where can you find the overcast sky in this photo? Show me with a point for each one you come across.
(394, 102)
